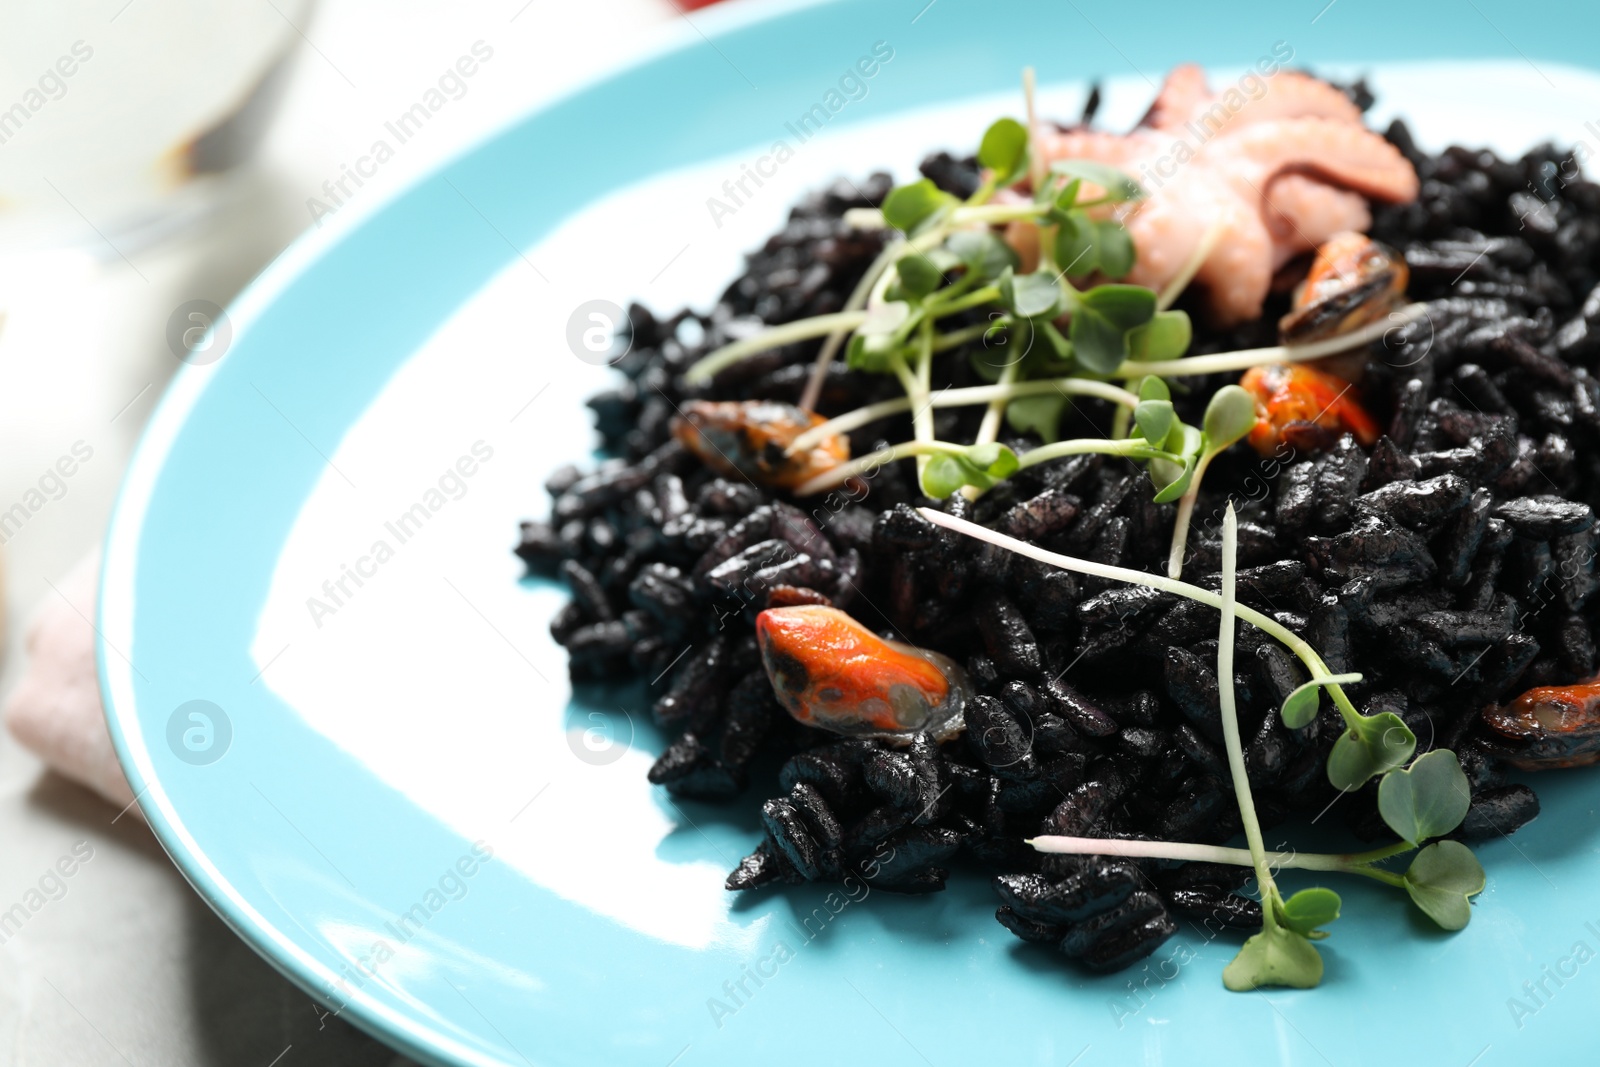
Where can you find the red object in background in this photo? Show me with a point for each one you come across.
(694, 5)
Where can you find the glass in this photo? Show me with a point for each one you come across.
(118, 120)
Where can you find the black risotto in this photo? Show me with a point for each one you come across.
(1452, 564)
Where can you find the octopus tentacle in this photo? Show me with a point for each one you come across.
(1350, 156)
(1182, 95)
(1303, 212)
(1281, 172)
(1186, 103)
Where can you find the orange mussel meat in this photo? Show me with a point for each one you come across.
(1551, 726)
(831, 672)
(1306, 408)
(752, 438)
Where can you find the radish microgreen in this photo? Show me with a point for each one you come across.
(1427, 799)
(1420, 800)
(1442, 880)
(1281, 954)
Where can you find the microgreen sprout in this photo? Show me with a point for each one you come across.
(1282, 953)
(1230, 415)
(1420, 802)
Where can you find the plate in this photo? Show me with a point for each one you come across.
(344, 716)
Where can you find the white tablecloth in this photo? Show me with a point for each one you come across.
(122, 963)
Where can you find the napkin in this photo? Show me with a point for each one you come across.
(55, 710)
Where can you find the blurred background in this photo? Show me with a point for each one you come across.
(155, 155)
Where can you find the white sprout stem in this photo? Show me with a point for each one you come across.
(989, 428)
(1230, 710)
(836, 339)
(880, 287)
(908, 378)
(822, 325)
(956, 338)
(1180, 525)
(966, 302)
(777, 336)
(1256, 357)
(1036, 163)
(1270, 626)
(1349, 862)
(868, 293)
(864, 218)
(1191, 266)
(1121, 420)
(922, 416)
(1134, 448)
(1038, 171)
(958, 398)
(996, 213)
(870, 218)
(838, 324)
(873, 460)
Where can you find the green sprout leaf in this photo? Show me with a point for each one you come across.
(1154, 419)
(1440, 881)
(872, 353)
(1060, 347)
(1101, 321)
(1301, 706)
(1031, 296)
(919, 275)
(1153, 388)
(1004, 150)
(1128, 306)
(1002, 347)
(1307, 910)
(943, 475)
(1117, 185)
(1114, 247)
(1185, 440)
(1277, 956)
(1229, 416)
(1064, 199)
(1375, 745)
(1037, 414)
(995, 460)
(1171, 479)
(912, 207)
(1077, 247)
(977, 465)
(1166, 336)
(1427, 799)
(983, 252)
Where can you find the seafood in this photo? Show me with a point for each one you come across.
(831, 672)
(1186, 99)
(1306, 408)
(1550, 726)
(1304, 211)
(751, 438)
(1276, 176)
(1353, 281)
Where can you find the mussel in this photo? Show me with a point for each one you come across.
(1550, 726)
(1305, 408)
(831, 672)
(1353, 281)
(751, 438)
